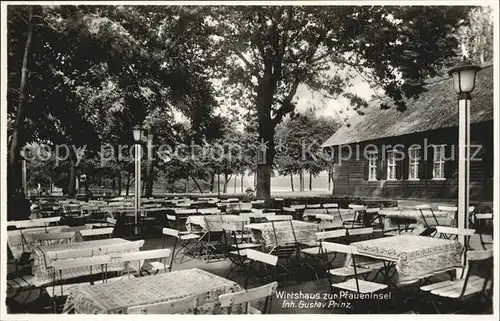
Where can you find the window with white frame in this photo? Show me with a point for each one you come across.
(391, 165)
(414, 159)
(438, 170)
(372, 167)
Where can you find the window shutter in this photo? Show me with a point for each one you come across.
(365, 172)
(399, 169)
(405, 164)
(381, 166)
(450, 162)
(429, 163)
(422, 164)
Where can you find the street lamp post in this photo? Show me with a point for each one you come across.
(138, 133)
(464, 79)
(149, 163)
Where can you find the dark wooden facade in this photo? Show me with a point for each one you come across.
(351, 176)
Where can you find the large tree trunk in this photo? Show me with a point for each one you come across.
(234, 190)
(149, 170)
(128, 184)
(212, 181)
(113, 183)
(72, 180)
(241, 180)
(197, 185)
(291, 181)
(14, 182)
(119, 183)
(301, 181)
(310, 181)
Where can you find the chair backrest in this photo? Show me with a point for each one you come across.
(279, 217)
(113, 248)
(484, 216)
(209, 210)
(81, 262)
(262, 257)
(331, 205)
(423, 207)
(188, 304)
(313, 205)
(111, 221)
(170, 232)
(146, 255)
(185, 211)
(70, 254)
(479, 255)
(54, 236)
(261, 292)
(48, 220)
(339, 248)
(298, 206)
(97, 231)
(330, 234)
(357, 207)
(454, 231)
(360, 231)
(372, 210)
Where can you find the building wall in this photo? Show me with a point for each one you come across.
(350, 176)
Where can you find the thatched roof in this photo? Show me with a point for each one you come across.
(436, 108)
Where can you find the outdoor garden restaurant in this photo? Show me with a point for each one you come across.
(220, 256)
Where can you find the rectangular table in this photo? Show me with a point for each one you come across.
(116, 297)
(414, 216)
(282, 233)
(214, 223)
(20, 241)
(415, 257)
(45, 255)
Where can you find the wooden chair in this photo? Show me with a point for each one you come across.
(265, 259)
(468, 288)
(358, 212)
(236, 251)
(350, 275)
(185, 241)
(359, 233)
(98, 233)
(316, 253)
(480, 220)
(266, 291)
(61, 265)
(187, 305)
(141, 256)
(278, 217)
(427, 223)
(343, 272)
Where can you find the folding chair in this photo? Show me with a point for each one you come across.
(188, 305)
(61, 265)
(150, 268)
(212, 240)
(350, 274)
(266, 291)
(236, 252)
(315, 253)
(358, 212)
(481, 219)
(185, 241)
(278, 217)
(263, 258)
(98, 233)
(465, 289)
(362, 233)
